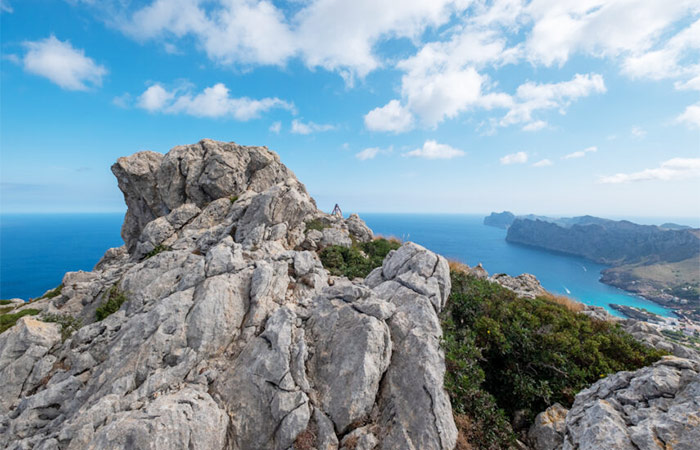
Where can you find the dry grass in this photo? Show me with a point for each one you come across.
(389, 238)
(456, 266)
(566, 302)
(464, 429)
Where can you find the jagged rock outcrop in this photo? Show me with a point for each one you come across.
(525, 285)
(655, 407)
(232, 335)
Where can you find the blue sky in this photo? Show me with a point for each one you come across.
(557, 107)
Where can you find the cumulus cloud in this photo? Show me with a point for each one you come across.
(213, 102)
(580, 153)
(673, 169)
(299, 127)
(543, 163)
(390, 117)
(333, 34)
(531, 97)
(63, 64)
(691, 116)
(432, 150)
(514, 158)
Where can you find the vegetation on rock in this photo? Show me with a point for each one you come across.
(69, 324)
(54, 292)
(158, 249)
(359, 259)
(7, 320)
(115, 299)
(315, 224)
(513, 357)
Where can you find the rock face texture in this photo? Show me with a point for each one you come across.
(232, 335)
(655, 407)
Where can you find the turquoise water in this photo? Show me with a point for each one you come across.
(36, 250)
(466, 239)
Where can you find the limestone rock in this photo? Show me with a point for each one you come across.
(229, 336)
(525, 285)
(654, 407)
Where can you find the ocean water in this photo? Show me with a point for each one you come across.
(36, 250)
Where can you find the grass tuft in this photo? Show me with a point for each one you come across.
(316, 224)
(158, 249)
(115, 299)
(54, 292)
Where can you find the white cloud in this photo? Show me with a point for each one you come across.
(514, 158)
(5, 7)
(122, 101)
(368, 153)
(601, 28)
(535, 125)
(691, 116)
(333, 34)
(276, 127)
(64, 65)
(432, 150)
(673, 169)
(213, 101)
(155, 98)
(390, 117)
(371, 153)
(543, 163)
(581, 153)
(531, 97)
(299, 127)
(638, 132)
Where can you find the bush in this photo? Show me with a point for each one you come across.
(9, 319)
(115, 299)
(69, 324)
(158, 249)
(359, 259)
(531, 353)
(233, 198)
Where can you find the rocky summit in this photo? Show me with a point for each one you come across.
(216, 326)
(228, 332)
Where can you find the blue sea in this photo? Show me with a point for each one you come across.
(36, 250)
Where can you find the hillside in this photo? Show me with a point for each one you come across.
(239, 316)
(660, 264)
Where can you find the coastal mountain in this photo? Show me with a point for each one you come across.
(658, 263)
(499, 220)
(607, 241)
(239, 316)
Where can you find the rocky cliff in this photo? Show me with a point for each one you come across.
(228, 332)
(606, 241)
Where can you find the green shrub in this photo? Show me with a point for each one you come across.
(359, 259)
(233, 198)
(158, 249)
(5, 302)
(69, 324)
(9, 319)
(316, 224)
(531, 353)
(54, 292)
(115, 299)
